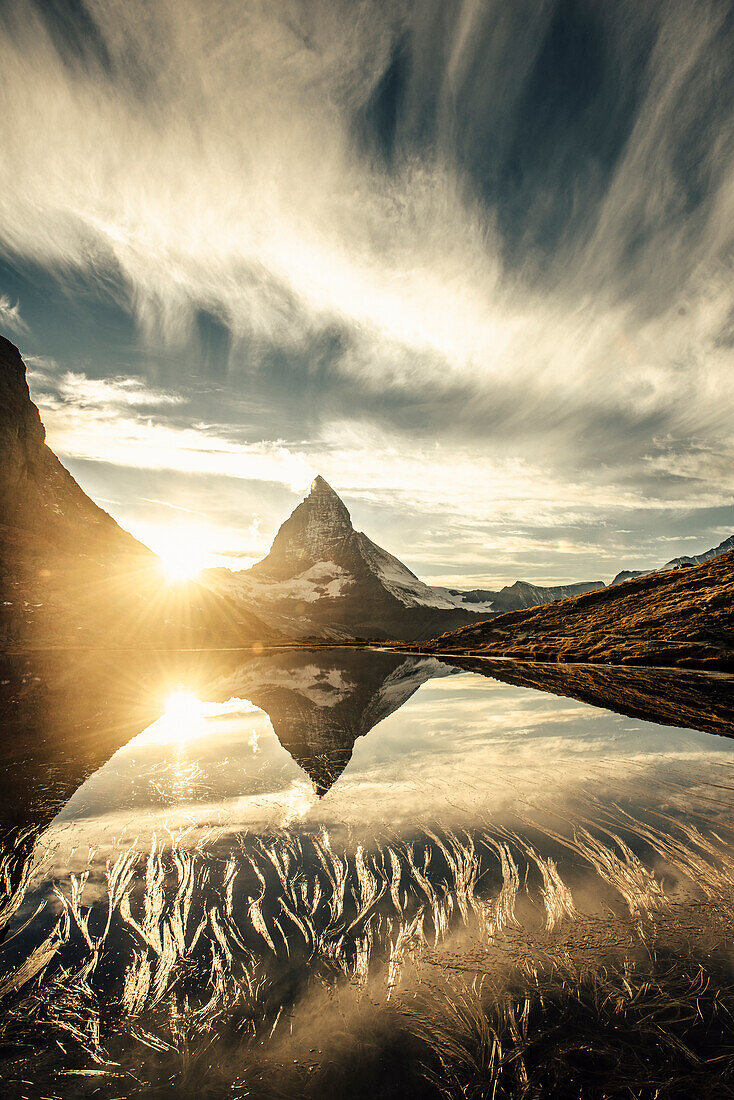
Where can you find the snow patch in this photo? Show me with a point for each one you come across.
(398, 580)
(323, 580)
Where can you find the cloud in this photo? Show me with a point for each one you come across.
(10, 315)
(454, 514)
(110, 420)
(504, 229)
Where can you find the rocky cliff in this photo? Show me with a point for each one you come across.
(69, 574)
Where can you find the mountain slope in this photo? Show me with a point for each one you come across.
(678, 563)
(322, 578)
(69, 575)
(38, 497)
(682, 617)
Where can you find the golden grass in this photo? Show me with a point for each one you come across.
(177, 968)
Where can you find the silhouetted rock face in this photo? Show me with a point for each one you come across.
(22, 434)
(41, 505)
(69, 575)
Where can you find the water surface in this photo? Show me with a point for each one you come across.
(260, 874)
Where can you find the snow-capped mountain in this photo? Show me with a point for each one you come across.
(322, 578)
(522, 594)
(678, 563)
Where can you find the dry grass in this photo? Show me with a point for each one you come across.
(677, 618)
(454, 965)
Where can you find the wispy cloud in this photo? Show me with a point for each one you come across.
(497, 516)
(110, 420)
(10, 315)
(504, 229)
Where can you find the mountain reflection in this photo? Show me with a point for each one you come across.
(320, 703)
(213, 858)
(66, 714)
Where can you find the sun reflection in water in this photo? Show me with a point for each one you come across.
(184, 717)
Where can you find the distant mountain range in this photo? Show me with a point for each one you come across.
(323, 579)
(678, 563)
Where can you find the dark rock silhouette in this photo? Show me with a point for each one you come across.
(69, 575)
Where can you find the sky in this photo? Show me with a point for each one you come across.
(470, 261)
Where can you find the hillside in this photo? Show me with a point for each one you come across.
(684, 617)
(69, 575)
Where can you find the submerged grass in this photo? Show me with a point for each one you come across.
(591, 962)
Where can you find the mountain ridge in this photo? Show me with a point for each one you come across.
(680, 617)
(69, 574)
(681, 562)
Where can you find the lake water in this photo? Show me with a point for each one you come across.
(360, 873)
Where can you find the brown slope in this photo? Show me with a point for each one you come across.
(684, 617)
(667, 696)
(69, 575)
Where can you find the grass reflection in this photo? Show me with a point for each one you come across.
(462, 963)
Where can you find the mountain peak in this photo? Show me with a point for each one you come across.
(321, 485)
(324, 506)
(320, 529)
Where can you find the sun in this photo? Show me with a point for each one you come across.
(183, 718)
(183, 551)
(181, 563)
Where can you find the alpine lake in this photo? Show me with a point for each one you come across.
(363, 873)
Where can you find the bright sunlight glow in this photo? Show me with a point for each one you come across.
(183, 551)
(181, 564)
(183, 718)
